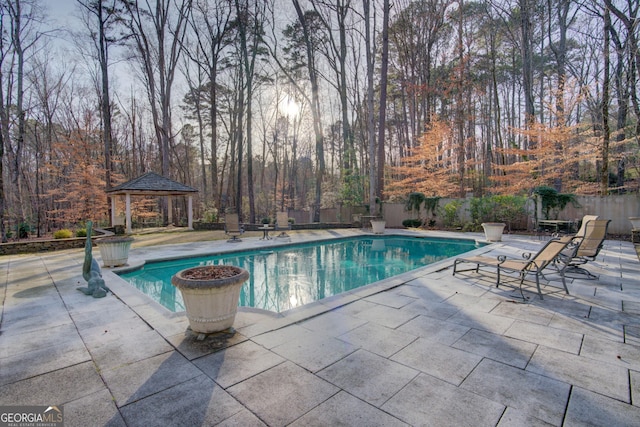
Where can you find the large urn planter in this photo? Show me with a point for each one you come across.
(493, 231)
(378, 225)
(114, 250)
(210, 295)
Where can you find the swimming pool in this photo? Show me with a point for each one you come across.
(285, 277)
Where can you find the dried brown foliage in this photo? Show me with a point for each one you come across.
(562, 156)
(79, 173)
(429, 167)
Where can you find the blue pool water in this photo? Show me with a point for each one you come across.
(285, 277)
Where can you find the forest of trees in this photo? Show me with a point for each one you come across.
(268, 105)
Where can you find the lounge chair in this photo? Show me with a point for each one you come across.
(547, 256)
(282, 223)
(583, 224)
(590, 243)
(232, 227)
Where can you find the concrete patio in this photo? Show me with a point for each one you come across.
(424, 348)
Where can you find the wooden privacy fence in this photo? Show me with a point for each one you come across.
(616, 208)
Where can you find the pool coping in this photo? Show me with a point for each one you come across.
(251, 321)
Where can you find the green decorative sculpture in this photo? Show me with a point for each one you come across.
(91, 271)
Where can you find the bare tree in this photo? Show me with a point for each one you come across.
(526, 33)
(250, 31)
(604, 178)
(336, 52)
(370, 113)
(104, 12)
(23, 18)
(382, 110)
(158, 31)
(209, 24)
(315, 108)
(157, 43)
(48, 87)
(417, 35)
(5, 49)
(628, 88)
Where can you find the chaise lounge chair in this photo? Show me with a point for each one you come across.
(590, 243)
(548, 255)
(232, 227)
(583, 225)
(282, 223)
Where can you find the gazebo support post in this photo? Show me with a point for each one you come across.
(190, 213)
(113, 211)
(128, 213)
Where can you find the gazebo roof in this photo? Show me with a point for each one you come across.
(151, 184)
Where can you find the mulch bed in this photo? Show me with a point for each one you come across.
(210, 272)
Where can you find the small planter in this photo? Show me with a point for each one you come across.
(114, 250)
(210, 295)
(493, 231)
(377, 225)
(635, 222)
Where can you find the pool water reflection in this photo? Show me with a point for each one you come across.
(286, 277)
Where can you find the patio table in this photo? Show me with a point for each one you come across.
(556, 225)
(265, 232)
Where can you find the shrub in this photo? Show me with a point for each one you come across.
(23, 230)
(81, 232)
(210, 214)
(412, 223)
(451, 218)
(497, 209)
(552, 202)
(65, 233)
(471, 227)
(416, 200)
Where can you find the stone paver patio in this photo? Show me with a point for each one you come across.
(424, 348)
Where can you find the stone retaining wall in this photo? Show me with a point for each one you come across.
(32, 246)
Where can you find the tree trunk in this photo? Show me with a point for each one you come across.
(527, 63)
(384, 71)
(315, 112)
(216, 187)
(370, 120)
(15, 163)
(604, 177)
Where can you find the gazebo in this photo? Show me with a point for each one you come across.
(150, 184)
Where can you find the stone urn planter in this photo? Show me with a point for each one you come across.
(493, 231)
(210, 295)
(114, 250)
(377, 225)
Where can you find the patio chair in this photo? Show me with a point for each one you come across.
(547, 256)
(583, 224)
(232, 227)
(590, 243)
(282, 223)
